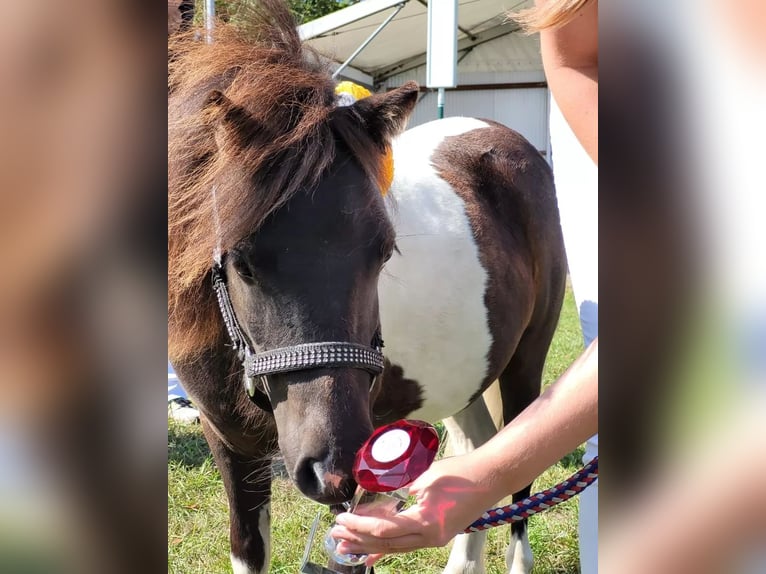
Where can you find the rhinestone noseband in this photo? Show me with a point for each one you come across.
(314, 355)
(289, 359)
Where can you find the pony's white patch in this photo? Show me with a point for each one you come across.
(519, 557)
(433, 315)
(470, 428)
(467, 555)
(466, 431)
(239, 565)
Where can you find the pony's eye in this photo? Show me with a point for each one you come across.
(389, 252)
(240, 265)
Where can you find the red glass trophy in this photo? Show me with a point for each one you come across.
(391, 459)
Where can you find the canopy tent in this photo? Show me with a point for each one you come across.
(400, 46)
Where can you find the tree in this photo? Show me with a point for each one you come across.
(307, 10)
(304, 10)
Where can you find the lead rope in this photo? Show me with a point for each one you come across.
(536, 503)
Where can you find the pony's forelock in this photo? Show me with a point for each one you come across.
(276, 135)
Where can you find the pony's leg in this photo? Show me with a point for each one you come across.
(520, 385)
(518, 557)
(467, 430)
(248, 488)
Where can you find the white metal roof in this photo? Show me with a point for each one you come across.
(401, 45)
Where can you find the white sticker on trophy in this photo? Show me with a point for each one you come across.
(390, 445)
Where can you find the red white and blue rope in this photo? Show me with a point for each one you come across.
(536, 503)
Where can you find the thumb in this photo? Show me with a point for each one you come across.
(420, 486)
(421, 483)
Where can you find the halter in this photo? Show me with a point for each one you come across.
(336, 354)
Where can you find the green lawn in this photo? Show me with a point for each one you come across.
(198, 517)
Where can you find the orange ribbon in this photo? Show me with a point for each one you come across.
(348, 93)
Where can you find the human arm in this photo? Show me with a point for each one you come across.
(455, 491)
(570, 61)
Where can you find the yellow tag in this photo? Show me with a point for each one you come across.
(348, 93)
(355, 90)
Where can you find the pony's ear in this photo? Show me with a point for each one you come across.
(385, 115)
(235, 120)
(217, 99)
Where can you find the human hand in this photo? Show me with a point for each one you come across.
(455, 491)
(449, 496)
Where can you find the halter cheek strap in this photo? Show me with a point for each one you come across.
(236, 335)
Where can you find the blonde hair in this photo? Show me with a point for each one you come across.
(548, 14)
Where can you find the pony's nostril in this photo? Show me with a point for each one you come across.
(307, 478)
(315, 481)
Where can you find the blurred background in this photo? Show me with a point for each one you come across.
(682, 279)
(83, 292)
(82, 302)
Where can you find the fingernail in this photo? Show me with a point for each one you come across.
(341, 519)
(345, 547)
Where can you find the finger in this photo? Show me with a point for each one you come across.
(343, 533)
(381, 508)
(379, 527)
(365, 545)
(434, 472)
(372, 559)
(406, 543)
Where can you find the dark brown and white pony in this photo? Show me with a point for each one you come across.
(460, 266)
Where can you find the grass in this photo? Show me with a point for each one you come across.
(198, 516)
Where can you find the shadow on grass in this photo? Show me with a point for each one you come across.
(187, 448)
(186, 445)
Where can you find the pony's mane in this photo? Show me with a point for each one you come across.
(268, 129)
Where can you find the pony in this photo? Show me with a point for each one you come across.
(283, 243)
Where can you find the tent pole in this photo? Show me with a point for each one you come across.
(209, 20)
(440, 102)
(368, 40)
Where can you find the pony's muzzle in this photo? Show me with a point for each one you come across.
(316, 481)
